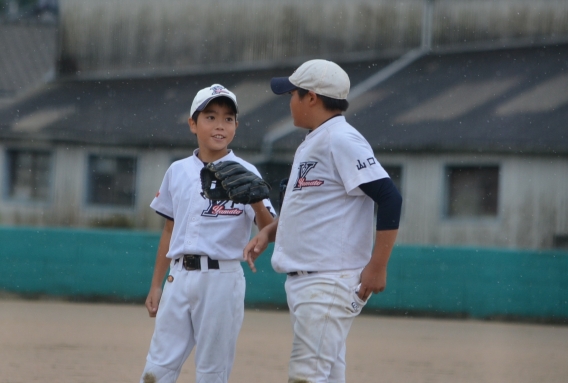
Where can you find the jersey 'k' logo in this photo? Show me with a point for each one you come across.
(303, 170)
(217, 208)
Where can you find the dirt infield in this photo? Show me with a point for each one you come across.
(71, 342)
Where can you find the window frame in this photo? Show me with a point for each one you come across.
(8, 160)
(89, 204)
(446, 191)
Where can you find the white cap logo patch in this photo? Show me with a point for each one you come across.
(205, 95)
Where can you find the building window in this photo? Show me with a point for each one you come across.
(112, 181)
(472, 191)
(395, 173)
(29, 174)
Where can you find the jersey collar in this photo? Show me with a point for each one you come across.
(230, 156)
(326, 125)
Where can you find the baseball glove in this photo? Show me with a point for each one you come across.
(233, 182)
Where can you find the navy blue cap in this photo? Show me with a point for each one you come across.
(281, 85)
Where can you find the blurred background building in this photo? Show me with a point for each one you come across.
(464, 102)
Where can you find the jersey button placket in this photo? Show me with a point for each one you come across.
(191, 231)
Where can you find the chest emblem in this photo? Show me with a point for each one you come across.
(217, 208)
(302, 180)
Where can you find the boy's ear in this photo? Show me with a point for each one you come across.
(192, 125)
(312, 97)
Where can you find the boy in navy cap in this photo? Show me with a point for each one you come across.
(324, 235)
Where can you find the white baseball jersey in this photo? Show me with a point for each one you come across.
(326, 222)
(219, 229)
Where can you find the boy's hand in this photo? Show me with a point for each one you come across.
(373, 280)
(254, 248)
(153, 301)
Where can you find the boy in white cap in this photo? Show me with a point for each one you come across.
(324, 235)
(202, 303)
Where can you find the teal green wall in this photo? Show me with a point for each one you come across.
(117, 266)
(77, 263)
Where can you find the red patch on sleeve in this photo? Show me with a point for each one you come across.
(157, 194)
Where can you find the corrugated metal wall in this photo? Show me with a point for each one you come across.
(528, 215)
(68, 206)
(169, 36)
(27, 57)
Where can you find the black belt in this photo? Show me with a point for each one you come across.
(294, 273)
(193, 262)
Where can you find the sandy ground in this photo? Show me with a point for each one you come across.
(42, 341)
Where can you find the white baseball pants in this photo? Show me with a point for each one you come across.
(203, 308)
(322, 309)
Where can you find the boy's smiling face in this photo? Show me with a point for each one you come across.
(215, 129)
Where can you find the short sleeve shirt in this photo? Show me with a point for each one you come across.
(219, 229)
(326, 220)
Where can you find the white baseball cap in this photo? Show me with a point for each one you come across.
(205, 95)
(323, 77)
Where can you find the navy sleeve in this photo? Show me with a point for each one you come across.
(385, 194)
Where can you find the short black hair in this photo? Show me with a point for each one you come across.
(221, 101)
(329, 103)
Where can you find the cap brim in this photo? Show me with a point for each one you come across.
(281, 85)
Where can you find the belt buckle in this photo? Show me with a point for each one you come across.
(191, 262)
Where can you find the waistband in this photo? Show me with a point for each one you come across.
(193, 262)
(342, 273)
(295, 273)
